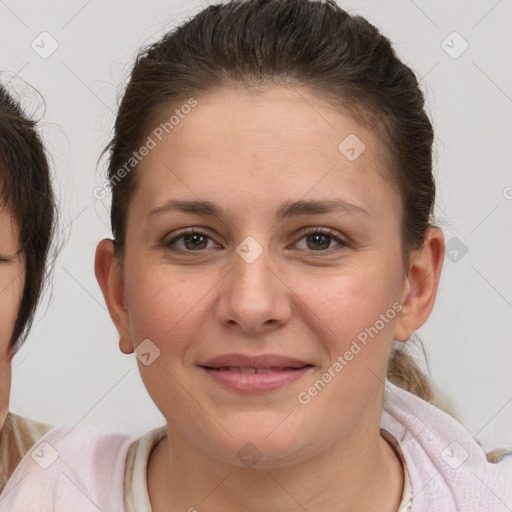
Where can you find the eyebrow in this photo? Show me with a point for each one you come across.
(286, 210)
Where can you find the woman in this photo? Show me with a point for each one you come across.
(272, 195)
(26, 226)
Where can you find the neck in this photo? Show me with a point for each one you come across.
(362, 473)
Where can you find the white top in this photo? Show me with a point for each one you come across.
(86, 469)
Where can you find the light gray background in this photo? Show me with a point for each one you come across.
(71, 370)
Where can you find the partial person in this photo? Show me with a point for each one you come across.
(27, 213)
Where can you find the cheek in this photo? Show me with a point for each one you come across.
(355, 305)
(169, 310)
(8, 317)
(11, 287)
(163, 303)
(358, 314)
(5, 388)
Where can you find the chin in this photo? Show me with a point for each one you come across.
(257, 449)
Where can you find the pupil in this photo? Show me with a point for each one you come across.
(195, 240)
(324, 241)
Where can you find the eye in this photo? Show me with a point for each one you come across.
(319, 239)
(191, 239)
(314, 239)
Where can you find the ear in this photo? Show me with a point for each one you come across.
(111, 283)
(420, 287)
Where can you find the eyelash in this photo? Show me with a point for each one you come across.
(306, 232)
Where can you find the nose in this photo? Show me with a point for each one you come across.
(253, 297)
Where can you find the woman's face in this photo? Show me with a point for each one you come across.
(11, 289)
(291, 260)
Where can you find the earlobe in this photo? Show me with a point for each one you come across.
(421, 284)
(112, 287)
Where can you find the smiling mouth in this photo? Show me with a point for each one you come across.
(252, 379)
(238, 369)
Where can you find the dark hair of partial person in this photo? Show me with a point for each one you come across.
(26, 193)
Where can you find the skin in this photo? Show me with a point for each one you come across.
(12, 273)
(249, 153)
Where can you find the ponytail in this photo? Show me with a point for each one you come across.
(405, 372)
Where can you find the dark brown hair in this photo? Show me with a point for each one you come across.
(315, 46)
(26, 192)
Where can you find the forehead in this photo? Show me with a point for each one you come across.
(275, 141)
(265, 118)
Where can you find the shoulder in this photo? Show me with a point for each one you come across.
(17, 436)
(73, 467)
(449, 469)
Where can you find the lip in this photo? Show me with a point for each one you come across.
(230, 371)
(262, 361)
